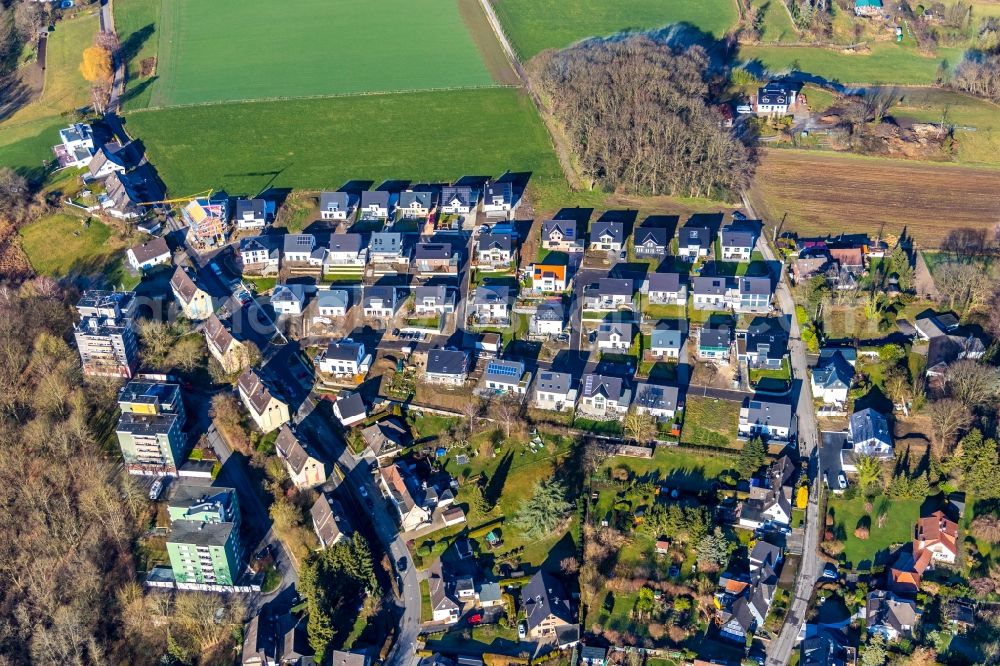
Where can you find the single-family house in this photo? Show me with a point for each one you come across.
(397, 486)
(289, 299)
(379, 302)
(446, 366)
(936, 539)
(268, 410)
(386, 437)
(415, 204)
(607, 236)
(458, 199)
(666, 289)
(767, 419)
(603, 397)
(491, 303)
(332, 303)
(615, 337)
(444, 609)
(251, 214)
(546, 605)
(608, 294)
(694, 242)
(710, 293)
(375, 205)
(869, 433)
(387, 247)
(776, 98)
(108, 159)
(769, 503)
(506, 376)
(435, 300)
(334, 205)
(489, 594)
(554, 390)
(753, 294)
(766, 342)
(260, 254)
(196, 299)
(495, 250)
(329, 520)
(343, 358)
(657, 400)
(714, 342)
(350, 408)
(890, 616)
(549, 278)
(122, 199)
(832, 378)
(943, 350)
(304, 469)
(764, 554)
(738, 241)
(153, 252)
(76, 146)
(547, 319)
(593, 656)
(346, 250)
(667, 339)
(560, 236)
(650, 243)
(435, 258)
(223, 346)
(498, 199)
(298, 248)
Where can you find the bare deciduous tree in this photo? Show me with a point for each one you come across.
(638, 427)
(949, 419)
(972, 383)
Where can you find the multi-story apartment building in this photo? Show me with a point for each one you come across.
(151, 428)
(204, 543)
(105, 336)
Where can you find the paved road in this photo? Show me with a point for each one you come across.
(780, 649)
(118, 80)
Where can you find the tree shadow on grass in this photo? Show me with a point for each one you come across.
(494, 487)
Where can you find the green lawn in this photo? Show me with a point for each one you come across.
(777, 23)
(783, 373)
(902, 515)
(677, 468)
(323, 143)
(27, 136)
(426, 612)
(710, 421)
(79, 251)
(309, 47)
(138, 26)
(887, 63)
(535, 25)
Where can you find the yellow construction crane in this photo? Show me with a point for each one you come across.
(206, 194)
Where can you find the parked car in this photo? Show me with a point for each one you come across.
(830, 572)
(401, 564)
(156, 489)
(475, 619)
(522, 630)
(841, 481)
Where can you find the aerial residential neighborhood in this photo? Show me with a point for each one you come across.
(500, 333)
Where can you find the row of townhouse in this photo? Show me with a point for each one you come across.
(497, 198)
(695, 240)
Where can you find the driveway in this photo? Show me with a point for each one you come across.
(831, 444)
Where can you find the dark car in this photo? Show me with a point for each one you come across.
(401, 564)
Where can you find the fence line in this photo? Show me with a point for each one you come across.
(287, 98)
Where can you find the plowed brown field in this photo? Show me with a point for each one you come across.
(821, 193)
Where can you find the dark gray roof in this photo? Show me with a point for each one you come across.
(504, 371)
(379, 197)
(695, 235)
(351, 404)
(255, 207)
(346, 243)
(151, 249)
(760, 286)
(334, 201)
(256, 243)
(553, 382)
(565, 227)
(421, 197)
(668, 334)
(197, 533)
(491, 294)
(833, 372)
(713, 286)
(343, 350)
(438, 293)
(386, 294)
(329, 519)
(765, 553)
(594, 384)
(714, 337)
(769, 413)
(447, 362)
(545, 596)
(656, 396)
(386, 242)
(669, 282)
(299, 242)
(769, 332)
(500, 189)
(615, 287)
(549, 311)
(493, 241)
(433, 251)
(738, 235)
(461, 193)
(868, 424)
(616, 230)
(652, 235)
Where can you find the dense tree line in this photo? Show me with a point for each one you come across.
(638, 116)
(67, 518)
(979, 75)
(20, 21)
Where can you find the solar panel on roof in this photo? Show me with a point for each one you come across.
(505, 370)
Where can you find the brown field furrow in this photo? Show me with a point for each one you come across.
(819, 193)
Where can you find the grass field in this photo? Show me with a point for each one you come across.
(777, 23)
(309, 47)
(27, 136)
(887, 63)
(825, 193)
(710, 421)
(676, 468)
(138, 25)
(81, 250)
(902, 515)
(536, 25)
(429, 136)
(977, 121)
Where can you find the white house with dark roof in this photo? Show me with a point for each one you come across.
(153, 252)
(546, 605)
(343, 358)
(298, 248)
(506, 376)
(458, 199)
(603, 397)
(346, 250)
(334, 205)
(890, 616)
(388, 247)
(289, 299)
(608, 294)
(767, 419)
(304, 469)
(197, 299)
(350, 408)
(831, 379)
(738, 240)
(435, 258)
(331, 303)
(554, 391)
(776, 98)
(250, 214)
(714, 343)
(753, 294)
(76, 146)
(375, 205)
(666, 289)
(491, 303)
(615, 337)
(268, 410)
(329, 520)
(710, 293)
(415, 204)
(498, 199)
(495, 250)
(260, 254)
(667, 339)
(108, 159)
(657, 400)
(547, 319)
(379, 302)
(869, 433)
(607, 236)
(561, 236)
(435, 300)
(694, 242)
(650, 243)
(765, 344)
(446, 366)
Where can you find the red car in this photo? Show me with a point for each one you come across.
(475, 619)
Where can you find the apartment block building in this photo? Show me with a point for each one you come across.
(151, 428)
(204, 543)
(105, 335)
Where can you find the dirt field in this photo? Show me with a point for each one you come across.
(822, 193)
